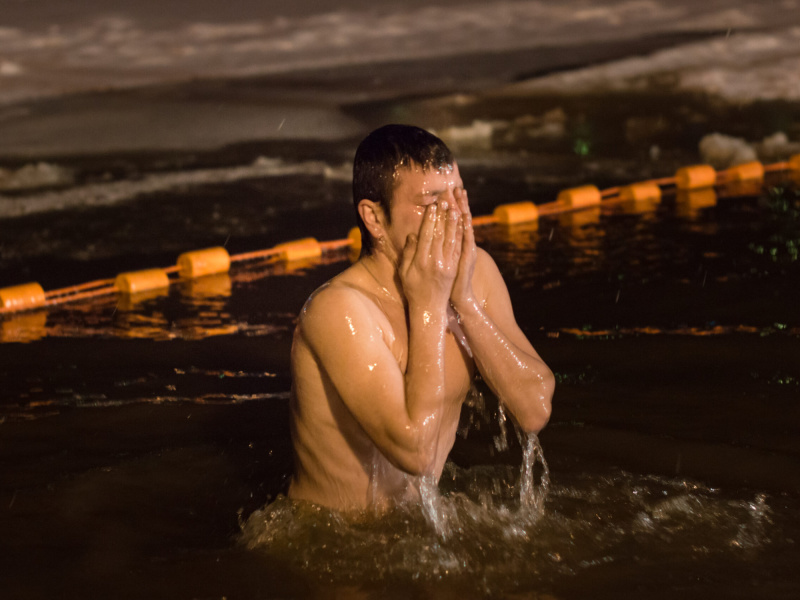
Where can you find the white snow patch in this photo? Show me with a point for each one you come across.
(738, 68)
(121, 52)
(34, 176)
(9, 69)
(723, 151)
(106, 194)
(478, 135)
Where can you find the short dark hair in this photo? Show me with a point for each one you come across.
(378, 157)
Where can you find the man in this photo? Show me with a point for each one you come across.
(384, 353)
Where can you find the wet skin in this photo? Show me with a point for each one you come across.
(384, 353)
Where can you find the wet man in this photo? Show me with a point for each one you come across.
(384, 353)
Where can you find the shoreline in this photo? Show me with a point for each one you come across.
(125, 79)
(306, 104)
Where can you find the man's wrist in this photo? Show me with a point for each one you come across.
(427, 313)
(466, 307)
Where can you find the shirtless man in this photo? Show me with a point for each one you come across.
(384, 353)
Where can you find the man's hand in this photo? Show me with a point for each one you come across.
(462, 292)
(431, 258)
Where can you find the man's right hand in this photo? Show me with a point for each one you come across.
(430, 259)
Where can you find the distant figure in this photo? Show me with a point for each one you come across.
(384, 353)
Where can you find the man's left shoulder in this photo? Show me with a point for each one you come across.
(486, 276)
(485, 267)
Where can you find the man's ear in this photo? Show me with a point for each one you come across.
(373, 216)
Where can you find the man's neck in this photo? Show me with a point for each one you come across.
(384, 273)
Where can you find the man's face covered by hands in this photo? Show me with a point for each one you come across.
(415, 189)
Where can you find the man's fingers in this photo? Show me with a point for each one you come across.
(468, 241)
(463, 200)
(459, 243)
(426, 231)
(437, 251)
(408, 252)
(452, 239)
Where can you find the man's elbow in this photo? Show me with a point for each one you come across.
(538, 408)
(418, 463)
(412, 454)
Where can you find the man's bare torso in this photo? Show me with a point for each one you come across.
(336, 463)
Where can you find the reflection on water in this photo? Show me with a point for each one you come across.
(23, 327)
(690, 203)
(214, 288)
(783, 224)
(191, 310)
(637, 207)
(582, 223)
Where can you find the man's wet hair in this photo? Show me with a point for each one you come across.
(378, 158)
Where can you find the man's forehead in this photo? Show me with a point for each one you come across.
(416, 174)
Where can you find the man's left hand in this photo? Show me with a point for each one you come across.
(462, 292)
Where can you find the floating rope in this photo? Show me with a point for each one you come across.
(210, 261)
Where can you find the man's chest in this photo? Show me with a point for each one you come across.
(459, 367)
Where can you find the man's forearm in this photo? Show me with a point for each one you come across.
(521, 380)
(425, 378)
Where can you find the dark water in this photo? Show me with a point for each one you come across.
(136, 437)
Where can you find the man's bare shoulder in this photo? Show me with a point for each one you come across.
(337, 305)
(483, 260)
(487, 275)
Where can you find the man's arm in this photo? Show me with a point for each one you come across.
(401, 413)
(505, 358)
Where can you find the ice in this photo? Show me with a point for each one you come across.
(478, 135)
(32, 176)
(9, 69)
(122, 47)
(777, 146)
(742, 67)
(723, 151)
(115, 192)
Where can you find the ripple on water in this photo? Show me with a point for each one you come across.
(492, 541)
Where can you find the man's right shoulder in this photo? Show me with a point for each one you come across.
(333, 306)
(339, 319)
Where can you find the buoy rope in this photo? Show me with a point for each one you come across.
(20, 298)
(78, 288)
(63, 299)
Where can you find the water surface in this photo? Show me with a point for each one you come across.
(136, 437)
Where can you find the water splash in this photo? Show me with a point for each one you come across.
(476, 412)
(501, 439)
(532, 500)
(502, 529)
(595, 524)
(441, 512)
(433, 506)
